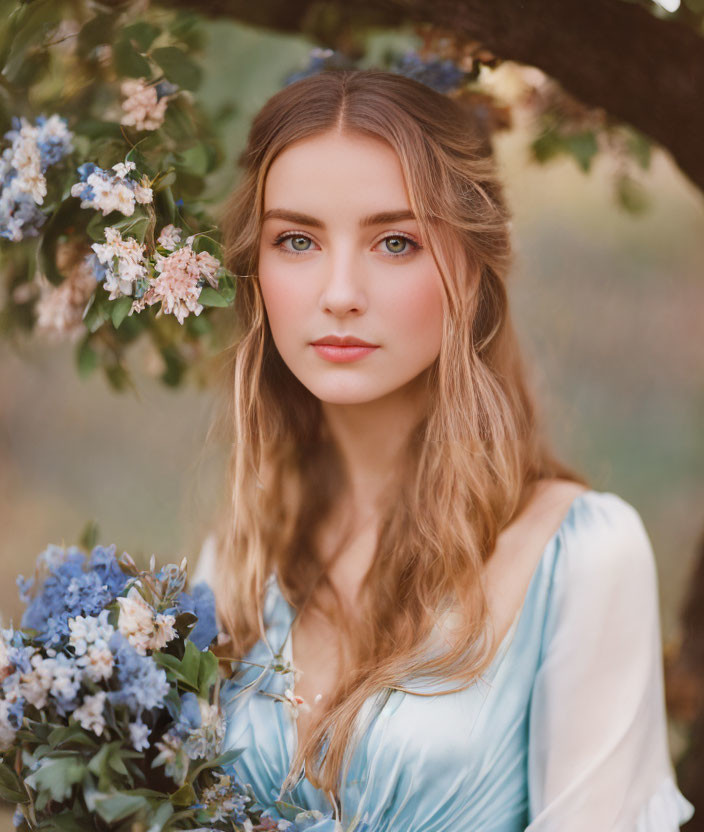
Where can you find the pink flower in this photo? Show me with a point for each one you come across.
(142, 108)
(177, 287)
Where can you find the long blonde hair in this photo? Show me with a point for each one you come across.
(470, 464)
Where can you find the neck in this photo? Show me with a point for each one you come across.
(371, 437)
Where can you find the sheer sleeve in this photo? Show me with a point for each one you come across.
(598, 756)
(205, 566)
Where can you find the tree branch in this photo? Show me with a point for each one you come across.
(645, 71)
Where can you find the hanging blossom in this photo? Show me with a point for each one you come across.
(144, 106)
(181, 276)
(111, 190)
(59, 309)
(33, 149)
(123, 263)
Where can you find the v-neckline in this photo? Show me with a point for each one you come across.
(286, 649)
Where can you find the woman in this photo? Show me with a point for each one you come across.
(465, 635)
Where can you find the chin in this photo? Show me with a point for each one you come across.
(348, 392)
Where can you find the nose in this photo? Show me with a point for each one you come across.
(343, 290)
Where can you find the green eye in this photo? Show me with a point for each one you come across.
(302, 240)
(395, 244)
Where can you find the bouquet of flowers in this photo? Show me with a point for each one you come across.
(110, 715)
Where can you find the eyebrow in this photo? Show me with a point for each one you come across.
(382, 218)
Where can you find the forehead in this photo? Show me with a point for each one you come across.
(336, 172)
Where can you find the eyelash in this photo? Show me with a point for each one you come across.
(289, 234)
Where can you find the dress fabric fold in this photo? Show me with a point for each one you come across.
(566, 730)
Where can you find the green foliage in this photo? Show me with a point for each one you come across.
(176, 156)
(186, 159)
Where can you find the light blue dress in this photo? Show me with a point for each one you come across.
(566, 731)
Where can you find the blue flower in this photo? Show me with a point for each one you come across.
(53, 140)
(104, 563)
(189, 719)
(68, 591)
(142, 684)
(201, 603)
(441, 75)
(85, 170)
(318, 61)
(15, 713)
(99, 269)
(164, 88)
(19, 215)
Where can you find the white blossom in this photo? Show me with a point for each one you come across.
(141, 626)
(90, 713)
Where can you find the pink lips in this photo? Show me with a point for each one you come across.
(340, 349)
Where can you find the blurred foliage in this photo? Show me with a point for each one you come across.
(73, 59)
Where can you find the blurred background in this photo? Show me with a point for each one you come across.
(607, 294)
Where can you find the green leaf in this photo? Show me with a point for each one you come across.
(89, 536)
(136, 226)
(175, 365)
(198, 325)
(194, 160)
(203, 242)
(118, 377)
(631, 195)
(583, 146)
(142, 33)
(31, 70)
(165, 201)
(639, 146)
(225, 759)
(86, 358)
(164, 182)
(209, 297)
(159, 818)
(128, 62)
(96, 228)
(207, 673)
(178, 67)
(185, 796)
(11, 786)
(55, 777)
(97, 30)
(287, 810)
(93, 128)
(120, 309)
(119, 806)
(546, 146)
(175, 670)
(96, 315)
(63, 217)
(72, 733)
(36, 23)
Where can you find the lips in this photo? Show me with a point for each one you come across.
(342, 341)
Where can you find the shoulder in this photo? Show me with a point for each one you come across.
(603, 584)
(604, 539)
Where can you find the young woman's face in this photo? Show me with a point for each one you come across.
(341, 256)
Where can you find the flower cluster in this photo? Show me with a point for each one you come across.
(23, 165)
(111, 190)
(144, 105)
(82, 276)
(441, 74)
(181, 276)
(59, 309)
(173, 278)
(108, 652)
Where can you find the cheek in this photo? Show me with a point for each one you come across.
(284, 302)
(416, 313)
